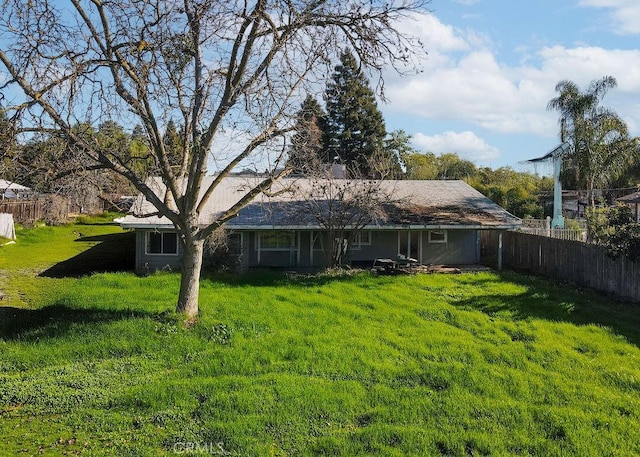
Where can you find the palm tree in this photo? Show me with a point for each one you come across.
(600, 144)
(606, 151)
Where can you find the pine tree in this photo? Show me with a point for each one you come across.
(174, 144)
(355, 127)
(8, 148)
(307, 151)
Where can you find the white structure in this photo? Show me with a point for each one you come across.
(556, 156)
(7, 228)
(10, 189)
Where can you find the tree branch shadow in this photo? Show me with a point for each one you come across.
(56, 320)
(556, 302)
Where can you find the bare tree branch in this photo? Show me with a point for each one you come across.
(235, 68)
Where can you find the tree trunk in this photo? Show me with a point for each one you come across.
(190, 280)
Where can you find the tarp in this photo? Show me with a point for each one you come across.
(10, 189)
(7, 229)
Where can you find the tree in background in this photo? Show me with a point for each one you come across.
(419, 165)
(355, 130)
(174, 143)
(616, 229)
(451, 166)
(229, 71)
(608, 151)
(630, 177)
(397, 145)
(601, 149)
(307, 150)
(430, 166)
(517, 192)
(8, 148)
(49, 164)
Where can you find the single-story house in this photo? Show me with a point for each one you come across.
(433, 222)
(633, 201)
(12, 190)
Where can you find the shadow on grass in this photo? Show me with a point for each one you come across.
(56, 320)
(114, 252)
(558, 302)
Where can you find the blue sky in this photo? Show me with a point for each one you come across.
(492, 67)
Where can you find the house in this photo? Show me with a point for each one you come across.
(633, 201)
(12, 190)
(433, 222)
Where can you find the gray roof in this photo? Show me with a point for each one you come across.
(407, 204)
(630, 198)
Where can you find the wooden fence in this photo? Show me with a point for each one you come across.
(584, 264)
(24, 211)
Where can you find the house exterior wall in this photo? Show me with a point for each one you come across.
(461, 248)
(148, 263)
(384, 244)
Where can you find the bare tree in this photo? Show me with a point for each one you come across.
(342, 203)
(343, 208)
(230, 72)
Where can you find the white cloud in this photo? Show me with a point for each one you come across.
(465, 144)
(624, 15)
(479, 90)
(437, 36)
(466, 82)
(583, 64)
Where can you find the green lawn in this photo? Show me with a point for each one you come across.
(471, 364)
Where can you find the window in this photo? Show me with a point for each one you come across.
(162, 243)
(276, 241)
(317, 243)
(437, 236)
(362, 238)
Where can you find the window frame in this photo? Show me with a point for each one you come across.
(162, 234)
(357, 241)
(292, 246)
(444, 239)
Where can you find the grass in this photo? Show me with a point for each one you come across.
(473, 364)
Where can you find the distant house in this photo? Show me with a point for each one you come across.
(433, 222)
(12, 190)
(633, 201)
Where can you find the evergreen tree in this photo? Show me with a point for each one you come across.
(355, 127)
(8, 148)
(173, 143)
(307, 151)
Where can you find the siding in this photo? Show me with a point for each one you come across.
(461, 248)
(148, 263)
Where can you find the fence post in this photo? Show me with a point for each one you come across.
(500, 251)
(548, 225)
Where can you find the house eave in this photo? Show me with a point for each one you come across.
(389, 227)
(379, 227)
